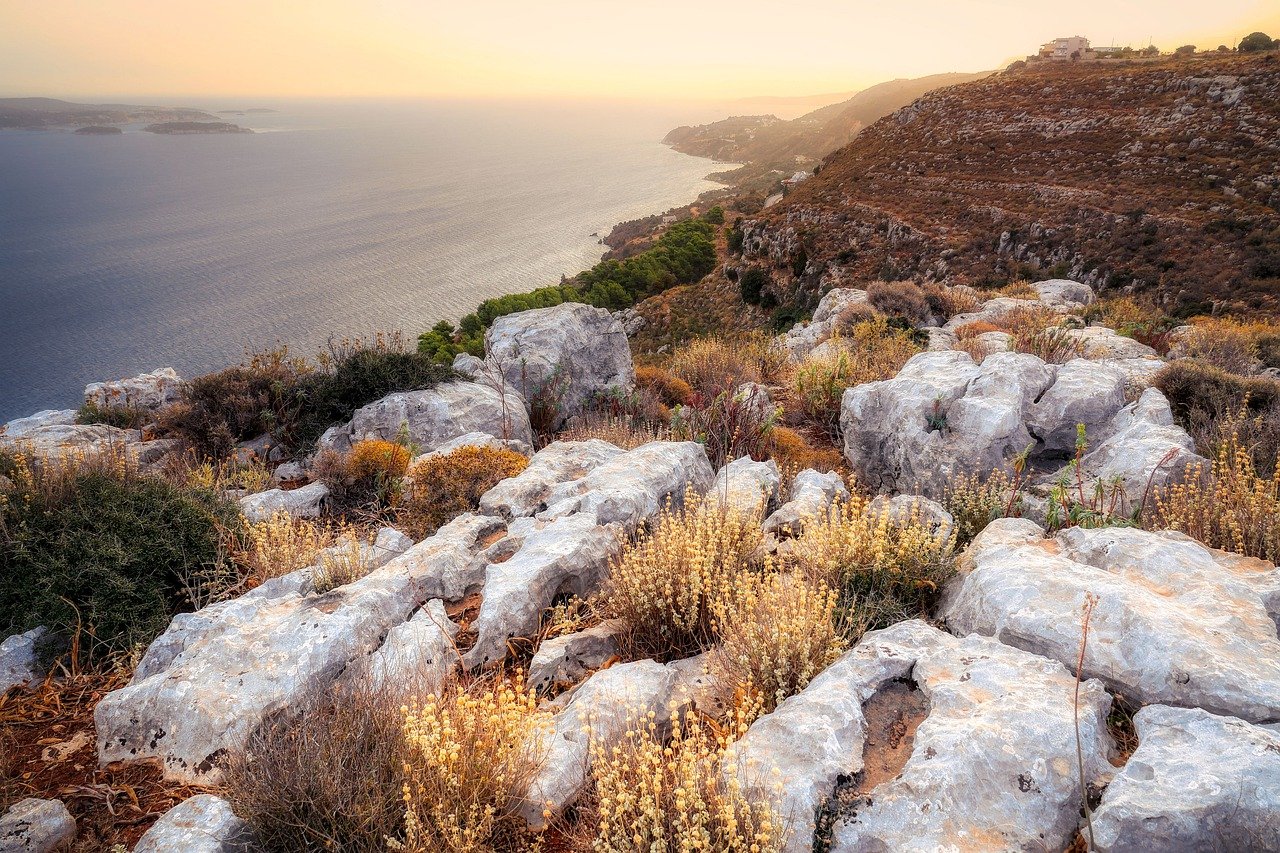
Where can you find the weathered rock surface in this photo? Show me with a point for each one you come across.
(567, 554)
(417, 655)
(1082, 392)
(992, 764)
(36, 826)
(54, 434)
(1176, 623)
(303, 502)
(1197, 781)
(144, 391)
(1102, 343)
(559, 462)
(632, 487)
(202, 824)
(215, 674)
(1064, 293)
(746, 486)
(435, 416)
(604, 707)
(568, 354)
(18, 664)
(475, 439)
(802, 339)
(569, 657)
(812, 492)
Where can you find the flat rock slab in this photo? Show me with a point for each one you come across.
(1197, 781)
(559, 462)
(1176, 623)
(36, 826)
(304, 502)
(202, 824)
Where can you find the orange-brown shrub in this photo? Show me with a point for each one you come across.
(671, 390)
(441, 487)
(715, 364)
(947, 302)
(902, 299)
(792, 451)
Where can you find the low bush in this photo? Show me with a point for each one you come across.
(752, 283)
(374, 468)
(792, 452)
(729, 426)
(327, 776)
(95, 546)
(124, 417)
(279, 545)
(660, 793)
(1143, 321)
(902, 299)
(775, 634)
(884, 569)
(625, 432)
(1201, 395)
(716, 364)
(947, 302)
(975, 502)
(666, 586)
(471, 754)
(671, 390)
(1053, 345)
(439, 488)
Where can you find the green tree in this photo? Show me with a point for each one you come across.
(1255, 42)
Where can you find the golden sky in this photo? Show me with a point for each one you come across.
(644, 48)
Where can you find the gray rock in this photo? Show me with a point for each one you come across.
(1176, 623)
(902, 508)
(304, 502)
(475, 439)
(54, 434)
(569, 354)
(18, 664)
(746, 486)
(812, 492)
(144, 391)
(209, 680)
(631, 488)
(1064, 293)
(1102, 343)
(569, 657)
(288, 472)
(570, 553)
(604, 707)
(801, 340)
(468, 365)
(36, 826)
(1083, 392)
(435, 416)
(1197, 781)
(558, 463)
(202, 824)
(417, 655)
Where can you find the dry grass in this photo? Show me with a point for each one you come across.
(252, 476)
(662, 795)
(730, 426)
(775, 635)
(280, 545)
(618, 430)
(671, 390)
(713, 365)
(470, 754)
(440, 488)
(1020, 289)
(975, 502)
(1232, 345)
(947, 302)
(667, 584)
(902, 299)
(340, 565)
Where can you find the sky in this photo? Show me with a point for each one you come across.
(688, 49)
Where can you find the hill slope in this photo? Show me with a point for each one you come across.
(1160, 175)
(51, 112)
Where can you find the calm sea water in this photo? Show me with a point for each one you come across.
(124, 253)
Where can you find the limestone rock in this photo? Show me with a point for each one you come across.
(214, 675)
(746, 486)
(1197, 781)
(902, 508)
(36, 826)
(144, 391)
(569, 353)
(304, 502)
(1176, 623)
(570, 553)
(435, 416)
(567, 658)
(475, 439)
(18, 664)
(604, 707)
(1083, 392)
(812, 492)
(201, 824)
(801, 340)
(557, 463)
(1064, 293)
(54, 434)
(1102, 343)
(631, 488)
(418, 654)
(991, 310)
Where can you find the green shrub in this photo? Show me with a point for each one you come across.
(107, 550)
(124, 417)
(752, 284)
(715, 215)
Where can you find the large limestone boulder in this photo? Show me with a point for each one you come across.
(812, 492)
(992, 765)
(566, 355)
(559, 462)
(1197, 781)
(1064, 293)
(802, 339)
(435, 416)
(144, 391)
(37, 826)
(567, 554)
(304, 502)
(18, 659)
(1099, 342)
(1082, 393)
(746, 486)
(1175, 622)
(201, 824)
(54, 434)
(216, 674)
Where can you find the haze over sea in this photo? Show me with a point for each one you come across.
(120, 254)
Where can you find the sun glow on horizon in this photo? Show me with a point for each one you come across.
(663, 48)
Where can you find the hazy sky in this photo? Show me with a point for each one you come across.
(671, 48)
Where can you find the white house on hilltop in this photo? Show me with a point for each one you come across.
(1064, 49)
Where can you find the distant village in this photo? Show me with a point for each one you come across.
(1078, 49)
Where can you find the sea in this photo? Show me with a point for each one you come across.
(121, 254)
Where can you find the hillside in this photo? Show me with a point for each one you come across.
(35, 113)
(768, 144)
(1143, 176)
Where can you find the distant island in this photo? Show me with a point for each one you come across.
(189, 127)
(250, 110)
(99, 130)
(53, 114)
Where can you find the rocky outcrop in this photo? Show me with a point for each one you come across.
(436, 415)
(567, 659)
(1064, 293)
(1099, 342)
(559, 462)
(54, 434)
(202, 824)
(1197, 781)
(746, 486)
(993, 762)
(303, 502)
(36, 826)
(144, 391)
(564, 356)
(812, 492)
(18, 659)
(1175, 622)
(802, 339)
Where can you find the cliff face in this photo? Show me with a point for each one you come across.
(1163, 175)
